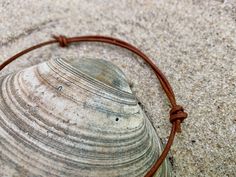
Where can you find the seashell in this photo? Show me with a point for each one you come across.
(77, 118)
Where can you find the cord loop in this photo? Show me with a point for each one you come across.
(177, 114)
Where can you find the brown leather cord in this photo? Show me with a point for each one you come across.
(177, 114)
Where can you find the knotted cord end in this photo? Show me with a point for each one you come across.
(177, 115)
(62, 40)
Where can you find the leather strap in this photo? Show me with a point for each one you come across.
(177, 114)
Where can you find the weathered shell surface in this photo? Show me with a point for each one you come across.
(75, 119)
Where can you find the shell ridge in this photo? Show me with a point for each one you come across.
(68, 67)
(132, 102)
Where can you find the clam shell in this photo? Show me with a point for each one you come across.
(78, 118)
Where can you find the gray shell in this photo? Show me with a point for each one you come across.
(67, 119)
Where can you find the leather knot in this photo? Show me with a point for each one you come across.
(177, 115)
(62, 40)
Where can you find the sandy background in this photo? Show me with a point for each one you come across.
(193, 42)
